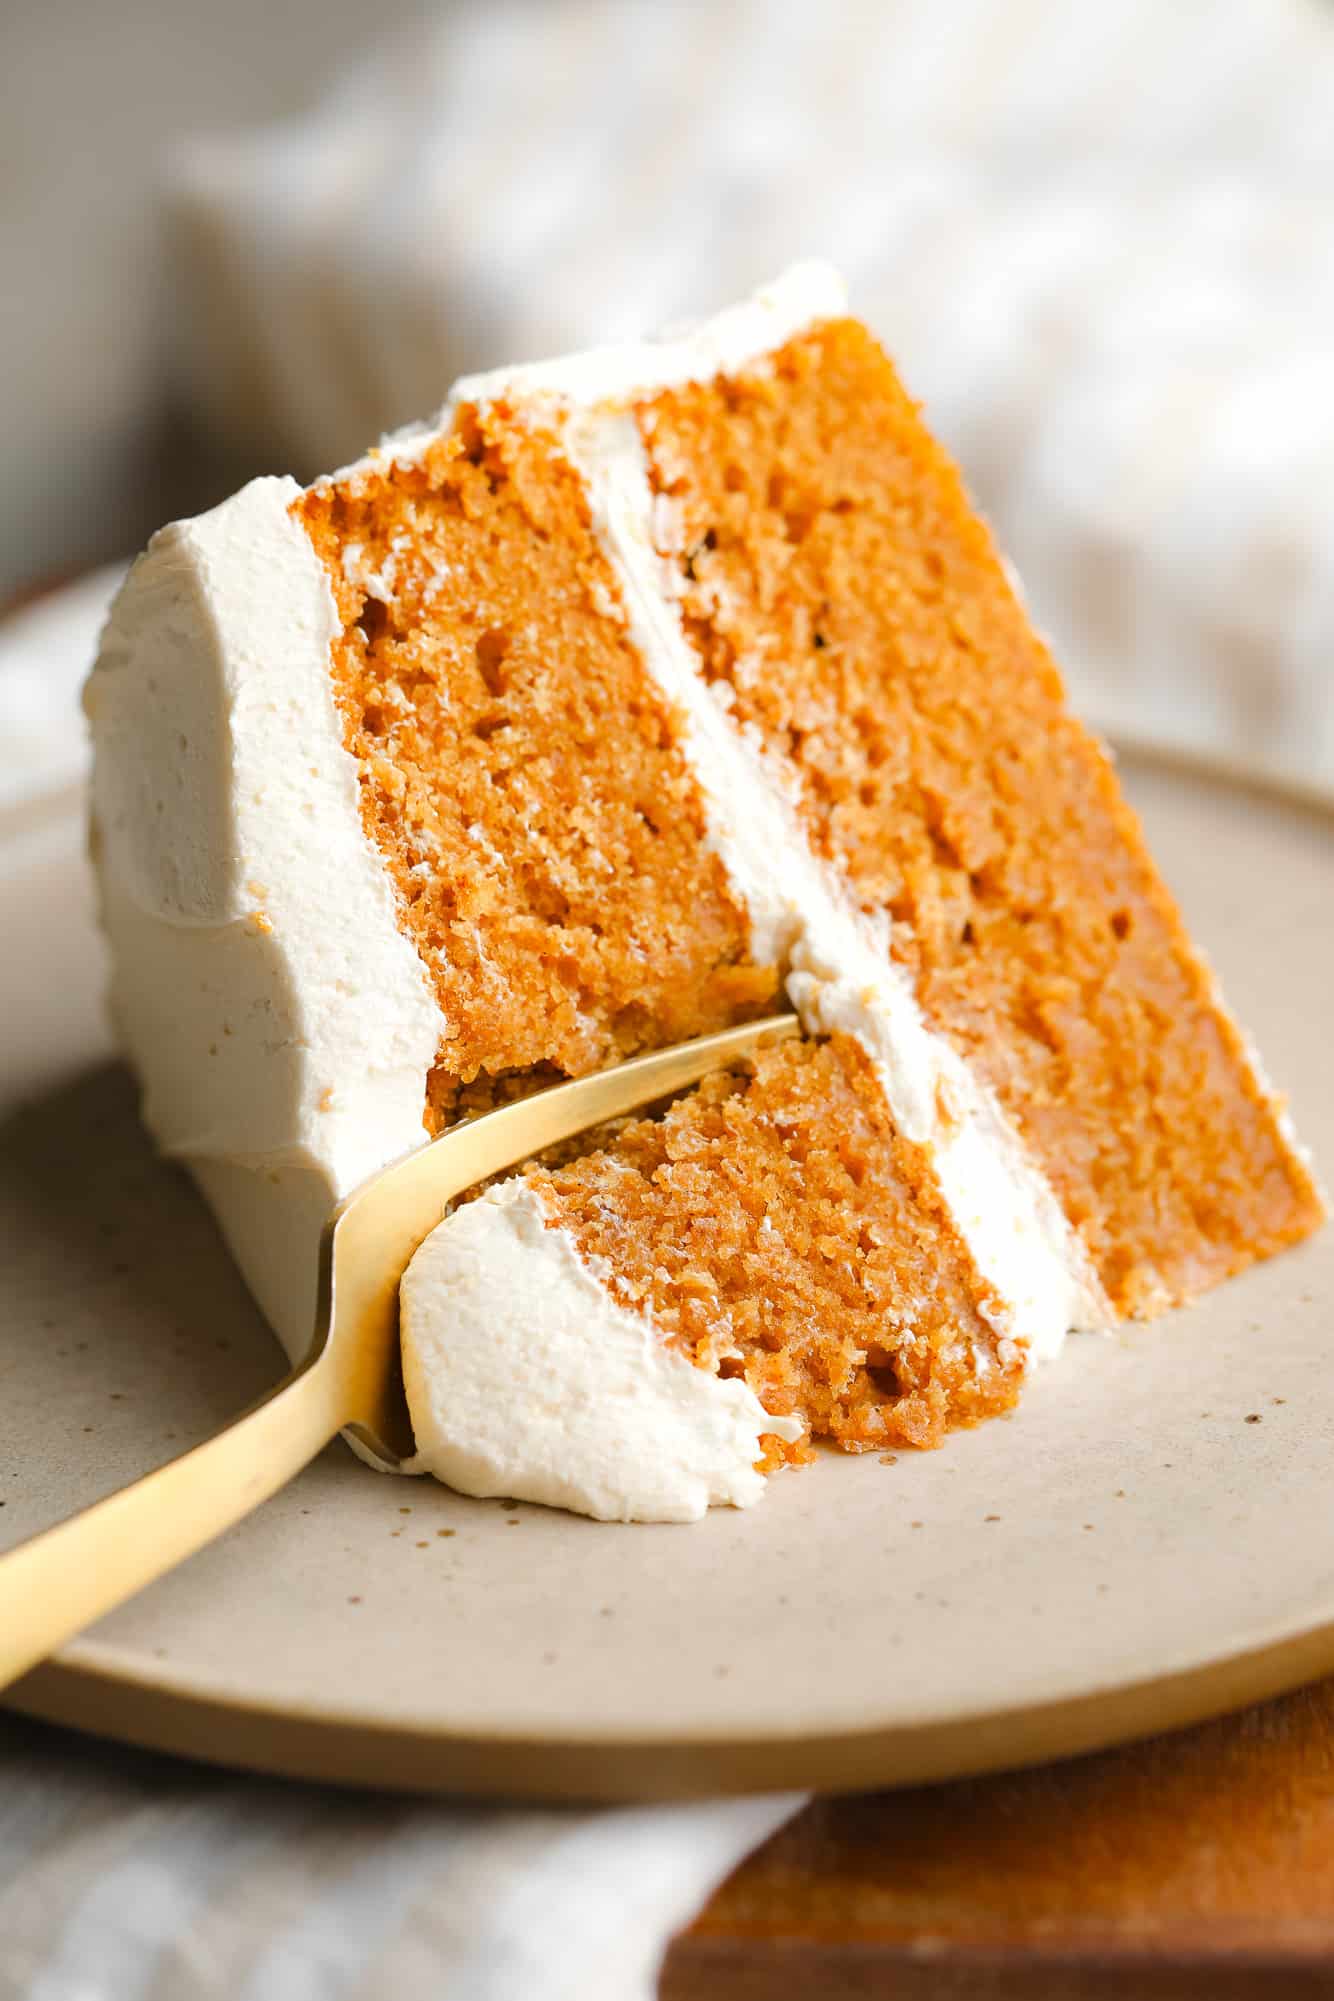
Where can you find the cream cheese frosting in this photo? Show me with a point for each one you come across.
(284, 1027)
(280, 1021)
(551, 1391)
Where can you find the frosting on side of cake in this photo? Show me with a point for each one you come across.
(279, 1019)
(565, 1398)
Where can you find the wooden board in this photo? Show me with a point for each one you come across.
(1196, 1865)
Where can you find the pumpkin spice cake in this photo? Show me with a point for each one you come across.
(638, 695)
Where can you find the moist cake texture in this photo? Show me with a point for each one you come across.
(636, 693)
(778, 1228)
(839, 589)
(521, 774)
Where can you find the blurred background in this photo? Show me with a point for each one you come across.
(1098, 240)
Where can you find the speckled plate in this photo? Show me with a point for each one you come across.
(1148, 1541)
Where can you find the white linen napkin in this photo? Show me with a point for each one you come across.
(46, 650)
(127, 1877)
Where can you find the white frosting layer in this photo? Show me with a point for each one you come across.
(549, 1390)
(843, 976)
(279, 1019)
(803, 295)
(1001, 1203)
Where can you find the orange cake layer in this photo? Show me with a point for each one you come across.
(835, 578)
(521, 774)
(775, 1226)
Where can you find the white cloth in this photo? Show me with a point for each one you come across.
(126, 1877)
(45, 652)
(1098, 239)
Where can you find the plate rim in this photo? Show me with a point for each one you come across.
(91, 1687)
(289, 1741)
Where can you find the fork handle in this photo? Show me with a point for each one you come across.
(60, 1581)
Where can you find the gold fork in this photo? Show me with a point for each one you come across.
(63, 1579)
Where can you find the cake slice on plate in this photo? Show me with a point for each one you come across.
(635, 692)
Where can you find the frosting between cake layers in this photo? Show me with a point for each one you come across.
(565, 1397)
(469, 1375)
(842, 975)
(279, 1019)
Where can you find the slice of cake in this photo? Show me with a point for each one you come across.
(637, 691)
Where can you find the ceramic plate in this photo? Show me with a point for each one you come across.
(1149, 1540)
